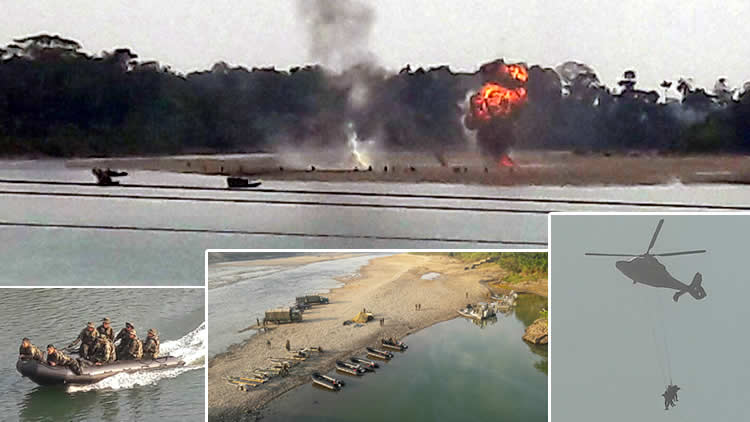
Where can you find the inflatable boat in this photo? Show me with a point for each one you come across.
(43, 374)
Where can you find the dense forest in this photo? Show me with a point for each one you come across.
(56, 100)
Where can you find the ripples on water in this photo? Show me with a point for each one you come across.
(453, 371)
(237, 296)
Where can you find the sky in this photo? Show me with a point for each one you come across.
(614, 344)
(658, 38)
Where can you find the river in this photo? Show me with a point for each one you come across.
(72, 232)
(57, 315)
(240, 294)
(454, 370)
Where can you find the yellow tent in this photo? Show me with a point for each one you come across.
(363, 317)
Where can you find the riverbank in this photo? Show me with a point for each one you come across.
(542, 168)
(290, 261)
(388, 286)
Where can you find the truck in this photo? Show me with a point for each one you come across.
(312, 300)
(282, 315)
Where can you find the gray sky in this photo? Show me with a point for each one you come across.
(608, 360)
(659, 38)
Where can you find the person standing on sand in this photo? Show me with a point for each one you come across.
(467, 295)
(288, 346)
(382, 321)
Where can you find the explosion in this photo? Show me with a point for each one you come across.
(492, 109)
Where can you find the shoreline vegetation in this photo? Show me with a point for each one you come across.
(57, 100)
(389, 287)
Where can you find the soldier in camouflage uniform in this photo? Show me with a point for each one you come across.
(106, 330)
(87, 337)
(134, 349)
(28, 351)
(124, 337)
(151, 345)
(103, 351)
(58, 358)
(124, 334)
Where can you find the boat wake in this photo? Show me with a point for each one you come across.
(191, 348)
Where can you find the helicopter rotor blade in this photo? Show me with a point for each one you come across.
(679, 253)
(610, 254)
(656, 234)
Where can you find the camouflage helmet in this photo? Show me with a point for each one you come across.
(153, 331)
(90, 325)
(133, 333)
(50, 346)
(129, 325)
(25, 339)
(106, 319)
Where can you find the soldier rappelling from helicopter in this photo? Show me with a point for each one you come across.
(670, 396)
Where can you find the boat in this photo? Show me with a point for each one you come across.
(481, 311)
(393, 344)
(350, 368)
(380, 354)
(365, 363)
(327, 382)
(44, 374)
(241, 182)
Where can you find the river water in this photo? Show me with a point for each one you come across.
(57, 315)
(237, 295)
(82, 234)
(452, 371)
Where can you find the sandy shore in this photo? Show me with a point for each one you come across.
(533, 168)
(389, 287)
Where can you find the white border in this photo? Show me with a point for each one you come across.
(333, 251)
(549, 267)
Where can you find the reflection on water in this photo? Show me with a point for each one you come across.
(452, 371)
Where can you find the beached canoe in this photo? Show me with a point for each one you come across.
(349, 368)
(394, 345)
(379, 354)
(327, 382)
(43, 374)
(365, 363)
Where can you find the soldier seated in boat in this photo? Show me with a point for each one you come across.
(124, 334)
(151, 345)
(28, 351)
(134, 350)
(87, 337)
(58, 358)
(106, 330)
(103, 351)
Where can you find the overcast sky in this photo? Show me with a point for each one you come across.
(659, 38)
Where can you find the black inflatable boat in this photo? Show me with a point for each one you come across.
(43, 374)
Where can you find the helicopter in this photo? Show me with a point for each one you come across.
(646, 269)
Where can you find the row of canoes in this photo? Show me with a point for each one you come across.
(358, 366)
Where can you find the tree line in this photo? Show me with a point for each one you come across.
(56, 100)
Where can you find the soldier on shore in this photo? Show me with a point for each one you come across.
(87, 337)
(151, 345)
(58, 358)
(106, 330)
(28, 351)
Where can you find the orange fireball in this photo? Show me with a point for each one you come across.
(495, 100)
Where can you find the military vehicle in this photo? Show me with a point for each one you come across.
(312, 300)
(282, 315)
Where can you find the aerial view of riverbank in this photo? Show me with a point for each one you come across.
(400, 295)
(56, 316)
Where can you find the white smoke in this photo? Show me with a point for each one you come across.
(191, 348)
